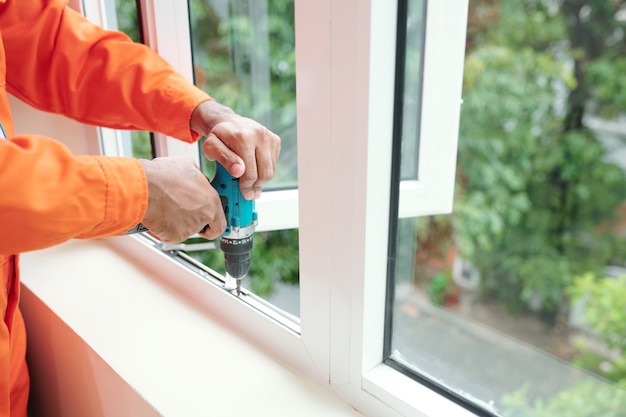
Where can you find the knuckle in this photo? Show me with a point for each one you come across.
(209, 141)
(272, 138)
(267, 173)
(249, 178)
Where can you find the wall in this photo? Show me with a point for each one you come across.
(28, 120)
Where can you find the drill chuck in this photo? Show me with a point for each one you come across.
(236, 255)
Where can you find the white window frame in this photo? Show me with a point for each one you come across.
(346, 69)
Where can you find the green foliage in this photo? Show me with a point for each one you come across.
(503, 147)
(275, 258)
(588, 398)
(528, 215)
(533, 193)
(126, 13)
(142, 145)
(608, 76)
(530, 23)
(226, 48)
(605, 312)
(506, 119)
(439, 288)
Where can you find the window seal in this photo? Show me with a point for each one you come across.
(396, 163)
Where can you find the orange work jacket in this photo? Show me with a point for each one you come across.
(55, 60)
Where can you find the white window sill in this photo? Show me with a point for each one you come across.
(108, 338)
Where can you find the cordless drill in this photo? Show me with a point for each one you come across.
(241, 220)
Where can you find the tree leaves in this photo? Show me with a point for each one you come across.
(531, 191)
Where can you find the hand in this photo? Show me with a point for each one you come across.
(181, 201)
(246, 149)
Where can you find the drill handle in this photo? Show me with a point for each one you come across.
(240, 213)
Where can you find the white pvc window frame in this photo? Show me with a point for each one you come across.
(345, 62)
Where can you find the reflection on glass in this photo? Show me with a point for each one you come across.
(517, 300)
(244, 57)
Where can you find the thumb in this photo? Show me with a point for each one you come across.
(216, 150)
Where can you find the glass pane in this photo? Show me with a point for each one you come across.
(244, 57)
(122, 15)
(517, 300)
(412, 89)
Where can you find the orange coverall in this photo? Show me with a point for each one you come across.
(55, 60)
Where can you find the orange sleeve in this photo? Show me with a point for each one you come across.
(58, 61)
(50, 196)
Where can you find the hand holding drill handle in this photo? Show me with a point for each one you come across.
(181, 201)
(244, 147)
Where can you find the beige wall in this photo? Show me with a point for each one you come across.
(28, 120)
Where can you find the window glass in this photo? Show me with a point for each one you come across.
(516, 301)
(244, 56)
(122, 15)
(411, 108)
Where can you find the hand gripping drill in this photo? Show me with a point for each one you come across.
(241, 220)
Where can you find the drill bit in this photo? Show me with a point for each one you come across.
(232, 284)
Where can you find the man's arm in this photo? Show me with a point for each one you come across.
(50, 196)
(58, 61)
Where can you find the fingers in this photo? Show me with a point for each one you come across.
(216, 226)
(211, 233)
(175, 233)
(243, 141)
(181, 201)
(264, 160)
(216, 150)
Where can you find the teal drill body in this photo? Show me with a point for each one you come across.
(241, 220)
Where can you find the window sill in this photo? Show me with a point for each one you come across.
(104, 330)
